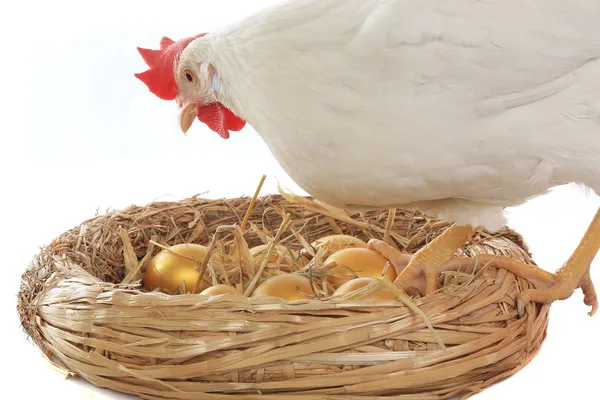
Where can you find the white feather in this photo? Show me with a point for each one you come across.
(459, 107)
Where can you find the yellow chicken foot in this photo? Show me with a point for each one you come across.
(427, 262)
(575, 273)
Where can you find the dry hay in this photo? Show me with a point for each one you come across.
(77, 307)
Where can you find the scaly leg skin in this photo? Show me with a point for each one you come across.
(575, 273)
(426, 262)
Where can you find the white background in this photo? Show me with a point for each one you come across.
(73, 115)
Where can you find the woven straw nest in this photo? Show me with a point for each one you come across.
(82, 304)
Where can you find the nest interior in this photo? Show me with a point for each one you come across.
(81, 302)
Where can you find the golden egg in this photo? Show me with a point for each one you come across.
(365, 263)
(286, 286)
(336, 243)
(220, 289)
(287, 257)
(171, 269)
(355, 284)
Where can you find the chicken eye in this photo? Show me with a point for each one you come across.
(188, 75)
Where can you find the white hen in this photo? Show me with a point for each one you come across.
(457, 107)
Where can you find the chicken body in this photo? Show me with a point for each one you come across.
(456, 107)
(460, 108)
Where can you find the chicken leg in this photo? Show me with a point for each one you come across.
(575, 273)
(429, 260)
(426, 262)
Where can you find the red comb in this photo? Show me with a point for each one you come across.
(160, 78)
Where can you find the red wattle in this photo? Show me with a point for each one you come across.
(219, 119)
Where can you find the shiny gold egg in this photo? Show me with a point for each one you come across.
(174, 270)
(365, 263)
(357, 283)
(286, 286)
(336, 243)
(220, 289)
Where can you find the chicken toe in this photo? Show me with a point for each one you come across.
(589, 294)
(397, 259)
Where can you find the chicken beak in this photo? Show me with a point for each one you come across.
(187, 114)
